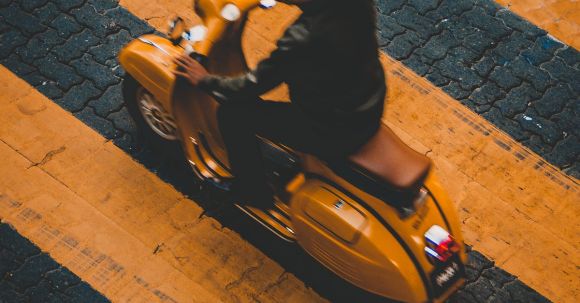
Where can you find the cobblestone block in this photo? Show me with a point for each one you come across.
(448, 8)
(21, 20)
(508, 125)
(76, 46)
(479, 18)
(108, 102)
(100, 74)
(78, 96)
(50, 89)
(479, 42)
(436, 77)
(403, 45)
(536, 55)
(128, 21)
(548, 43)
(484, 66)
(67, 5)
(566, 151)
(35, 79)
(504, 78)
(423, 6)
(16, 65)
(103, 126)
(123, 121)
(517, 23)
(570, 56)
(65, 25)
(30, 5)
(526, 71)
(517, 100)
(388, 28)
(417, 65)
(534, 123)
(30, 273)
(485, 94)
(108, 49)
(39, 46)
(84, 293)
(481, 290)
(454, 70)
(47, 13)
(519, 292)
(102, 5)
(438, 46)
(510, 49)
(553, 101)
(11, 40)
(64, 75)
(558, 69)
(456, 91)
(497, 276)
(62, 279)
(568, 120)
(409, 18)
(100, 25)
(385, 7)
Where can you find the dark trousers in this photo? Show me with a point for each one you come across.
(240, 122)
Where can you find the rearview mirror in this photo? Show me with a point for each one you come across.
(176, 28)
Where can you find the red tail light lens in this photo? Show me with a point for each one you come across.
(440, 244)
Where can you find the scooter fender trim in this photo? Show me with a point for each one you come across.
(152, 67)
(419, 269)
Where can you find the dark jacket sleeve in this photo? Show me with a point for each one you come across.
(268, 74)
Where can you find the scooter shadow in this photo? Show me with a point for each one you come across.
(170, 166)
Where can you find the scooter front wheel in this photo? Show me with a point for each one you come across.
(151, 111)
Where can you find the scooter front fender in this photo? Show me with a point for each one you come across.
(149, 59)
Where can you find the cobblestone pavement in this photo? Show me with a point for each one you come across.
(67, 49)
(28, 275)
(497, 64)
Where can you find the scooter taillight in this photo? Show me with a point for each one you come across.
(440, 244)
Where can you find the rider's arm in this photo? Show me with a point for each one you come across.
(268, 74)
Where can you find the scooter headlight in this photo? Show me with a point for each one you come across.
(231, 12)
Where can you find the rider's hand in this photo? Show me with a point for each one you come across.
(191, 70)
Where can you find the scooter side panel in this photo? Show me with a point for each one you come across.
(371, 258)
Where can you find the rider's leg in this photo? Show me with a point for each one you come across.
(244, 154)
(282, 123)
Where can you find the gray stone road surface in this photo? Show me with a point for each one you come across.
(28, 275)
(496, 63)
(67, 49)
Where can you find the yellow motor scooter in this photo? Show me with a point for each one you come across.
(379, 219)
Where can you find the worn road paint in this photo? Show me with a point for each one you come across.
(115, 224)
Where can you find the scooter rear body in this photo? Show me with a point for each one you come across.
(339, 214)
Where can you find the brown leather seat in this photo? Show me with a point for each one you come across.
(389, 158)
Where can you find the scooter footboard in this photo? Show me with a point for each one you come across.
(354, 244)
(149, 60)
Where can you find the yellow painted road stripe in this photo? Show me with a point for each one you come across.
(560, 18)
(116, 225)
(516, 208)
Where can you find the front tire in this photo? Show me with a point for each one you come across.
(156, 127)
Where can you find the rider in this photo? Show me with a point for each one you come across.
(329, 59)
